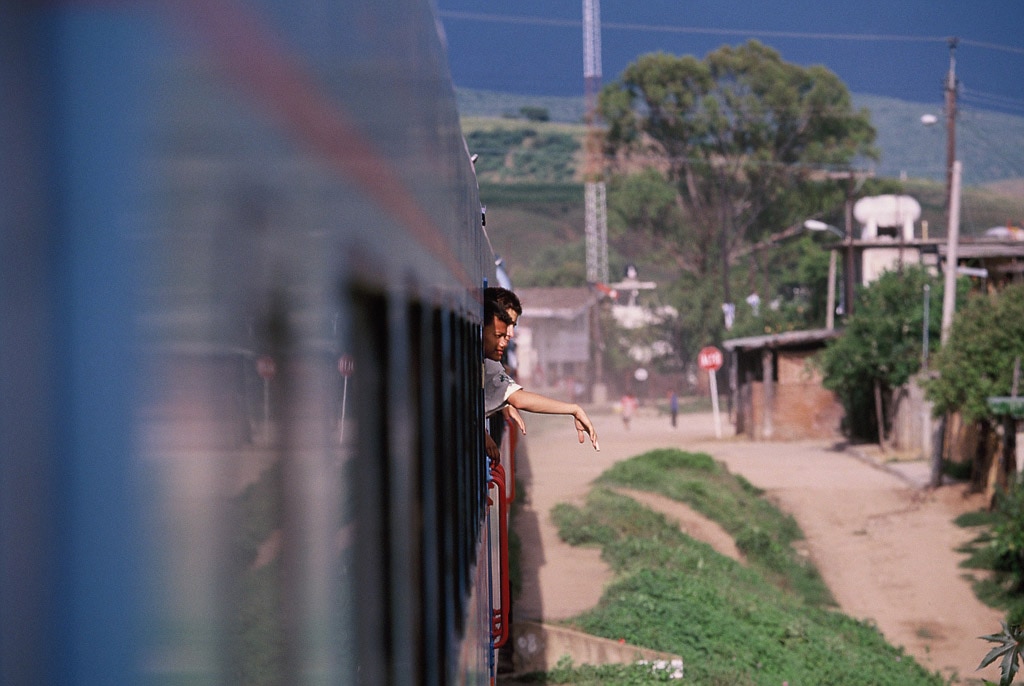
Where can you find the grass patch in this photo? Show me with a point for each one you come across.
(762, 532)
(766, 622)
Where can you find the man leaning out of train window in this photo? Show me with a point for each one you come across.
(500, 390)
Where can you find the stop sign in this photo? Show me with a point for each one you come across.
(346, 365)
(710, 359)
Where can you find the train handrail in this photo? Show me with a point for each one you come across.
(512, 430)
(499, 615)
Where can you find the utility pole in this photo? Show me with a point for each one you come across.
(953, 172)
(953, 181)
(950, 126)
(952, 248)
(849, 272)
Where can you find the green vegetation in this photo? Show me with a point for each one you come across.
(762, 533)
(765, 622)
(1010, 647)
(881, 346)
(977, 361)
(535, 113)
(985, 345)
(736, 139)
(907, 147)
(515, 153)
(999, 550)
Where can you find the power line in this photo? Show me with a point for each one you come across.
(991, 99)
(661, 28)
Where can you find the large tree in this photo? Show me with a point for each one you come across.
(739, 136)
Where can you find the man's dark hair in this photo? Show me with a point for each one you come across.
(504, 297)
(492, 309)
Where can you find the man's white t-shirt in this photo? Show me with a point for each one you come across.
(498, 386)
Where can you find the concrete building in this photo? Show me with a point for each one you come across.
(553, 341)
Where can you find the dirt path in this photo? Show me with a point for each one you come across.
(885, 548)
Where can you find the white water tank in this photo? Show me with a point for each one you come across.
(895, 212)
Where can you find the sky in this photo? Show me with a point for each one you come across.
(894, 48)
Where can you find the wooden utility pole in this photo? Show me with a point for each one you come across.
(950, 124)
(952, 242)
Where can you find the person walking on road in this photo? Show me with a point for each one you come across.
(629, 405)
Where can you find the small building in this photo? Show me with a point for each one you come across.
(554, 345)
(775, 388)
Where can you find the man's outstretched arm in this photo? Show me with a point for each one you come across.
(541, 404)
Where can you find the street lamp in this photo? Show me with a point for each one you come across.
(830, 311)
(815, 225)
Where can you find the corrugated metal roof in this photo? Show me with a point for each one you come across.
(782, 340)
(978, 250)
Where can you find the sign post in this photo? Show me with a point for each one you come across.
(710, 359)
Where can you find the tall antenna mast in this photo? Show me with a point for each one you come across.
(596, 218)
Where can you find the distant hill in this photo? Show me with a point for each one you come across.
(990, 144)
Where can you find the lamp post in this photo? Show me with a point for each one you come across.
(830, 312)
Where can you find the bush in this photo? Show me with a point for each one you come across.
(535, 113)
(1007, 540)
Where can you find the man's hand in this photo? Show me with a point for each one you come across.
(584, 427)
(492, 449)
(513, 414)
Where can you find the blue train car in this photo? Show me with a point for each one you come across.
(240, 434)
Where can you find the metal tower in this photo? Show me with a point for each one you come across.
(596, 219)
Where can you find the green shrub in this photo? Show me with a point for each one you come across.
(1008, 537)
(999, 549)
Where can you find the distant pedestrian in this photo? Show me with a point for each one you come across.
(629, 405)
(673, 406)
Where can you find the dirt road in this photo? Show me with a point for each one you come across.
(886, 548)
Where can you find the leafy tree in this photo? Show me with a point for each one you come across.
(735, 135)
(881, 346)
(978, 359)
(977, 363)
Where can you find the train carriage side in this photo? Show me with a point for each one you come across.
(240, 439)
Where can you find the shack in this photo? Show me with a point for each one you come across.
(775, 388)
(554, 337)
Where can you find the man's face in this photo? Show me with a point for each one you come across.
(512, 326)
(496, 338)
